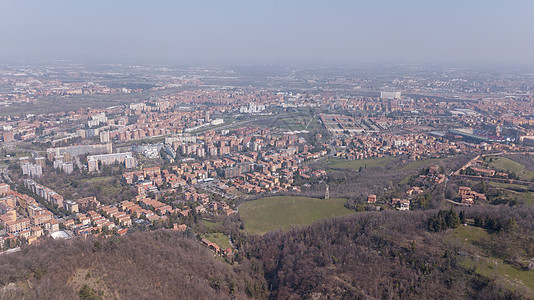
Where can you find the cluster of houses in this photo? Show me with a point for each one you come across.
(469, 196)
(253, 172)
(21, 216)
(35, 222)
(397, 203)
(415, 145)
(215, 248)
(478, 170)
(433, 176)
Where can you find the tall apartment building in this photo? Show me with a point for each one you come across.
(32, 170)
(79, 150)
(104, 136)
(66, 167)
(40, 161)
(97, 119)
(47, 193)
(390, 95)
(108, 159)
(4, 188)
(8, 136)
(237, 170)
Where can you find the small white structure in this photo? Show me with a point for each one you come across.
(60, 235)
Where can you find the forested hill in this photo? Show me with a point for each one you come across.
(149, 265)
(389, 256)
(377, 255)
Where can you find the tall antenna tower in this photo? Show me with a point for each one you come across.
(327, 192)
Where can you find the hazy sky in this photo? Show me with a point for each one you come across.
(269, 31)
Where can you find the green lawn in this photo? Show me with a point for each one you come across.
(527, 196)
(98, 179)
(209, 224)
(218, 238)
(508, 165)
(489, 266)
(507, 274)
(356, 164)
(520, 192)
(507, 185)
(296, 120)
(272, 213)
(515, 191)
(17, 154)
(416, 165)
(468, 235)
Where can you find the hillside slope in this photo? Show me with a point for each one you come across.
(390, 255)
(152, 265)
(375, 255)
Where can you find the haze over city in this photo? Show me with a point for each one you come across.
(262, 32)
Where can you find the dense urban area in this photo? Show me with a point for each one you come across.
(293, 183)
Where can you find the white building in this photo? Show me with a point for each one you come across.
(104, 136)
(390, 95)
(71, 206)
(67, 167)
(252, 108)
(32, 170)
(217, 122)
(138, 106)
(182, 138)
(97, 119)
(125, 158)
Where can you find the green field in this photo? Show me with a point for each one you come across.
(507, 185)
(296, 120)
(209, 224)
(508, 165)
(507, 274)
(272, 213)
(514, 191)
(16, 155)
(356, 164)
(98, 179)
(416, 165)
(470, 237)
(218, 238)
